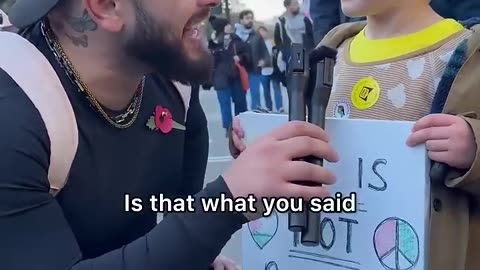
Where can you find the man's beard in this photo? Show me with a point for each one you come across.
(296, 12)
(248, 25)
(155, 45)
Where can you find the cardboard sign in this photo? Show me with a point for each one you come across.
(391, 184)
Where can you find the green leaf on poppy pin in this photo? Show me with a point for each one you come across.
(151, 124)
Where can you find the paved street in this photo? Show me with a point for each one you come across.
(219, 157)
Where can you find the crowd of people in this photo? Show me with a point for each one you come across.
(237, 46)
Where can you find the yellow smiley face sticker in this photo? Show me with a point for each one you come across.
(365, 93)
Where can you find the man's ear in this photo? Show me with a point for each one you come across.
(107, 14)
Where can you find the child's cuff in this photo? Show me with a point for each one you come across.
(470, 180)
(234, 152)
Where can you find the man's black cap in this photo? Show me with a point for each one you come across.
(26, 12)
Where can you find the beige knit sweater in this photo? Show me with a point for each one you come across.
(406, 85)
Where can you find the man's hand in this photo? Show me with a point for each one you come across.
(449, 139)
(236, 58)
(269, 166)
(237, 146)
(261, 63)
(224, 263)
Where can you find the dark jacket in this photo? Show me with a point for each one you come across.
(457, 9)
(277, 75)
(326, 14)
(225, 69)
(257, 51)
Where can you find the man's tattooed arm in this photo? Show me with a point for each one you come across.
(81, 25)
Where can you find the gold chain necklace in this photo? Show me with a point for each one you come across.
(122, 121)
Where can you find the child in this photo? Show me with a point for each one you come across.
(401, 65)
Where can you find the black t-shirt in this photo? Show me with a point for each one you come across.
(85, 225)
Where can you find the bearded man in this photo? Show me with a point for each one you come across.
(104, 52)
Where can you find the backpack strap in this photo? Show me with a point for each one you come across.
(32, 72)
(281, 25)
(464, 78)
(474, 40)
(340, 33)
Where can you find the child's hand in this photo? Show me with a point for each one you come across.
(237, 145)
(449, 139)
(224, 263)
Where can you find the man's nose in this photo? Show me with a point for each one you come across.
(208, 3)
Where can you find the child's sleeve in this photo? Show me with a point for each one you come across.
(466, 105)
(468, 180)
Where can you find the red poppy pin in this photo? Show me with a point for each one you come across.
(162, 120)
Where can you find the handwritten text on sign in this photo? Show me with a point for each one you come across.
(388, 228)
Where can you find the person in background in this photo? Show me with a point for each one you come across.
(326, 14)
(293, 27)
(270, 76)
(457, 9)
(259, 54)
(227, 48)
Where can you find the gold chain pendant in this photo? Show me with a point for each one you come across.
(136, 102)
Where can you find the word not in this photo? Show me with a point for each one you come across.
(329, 233)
